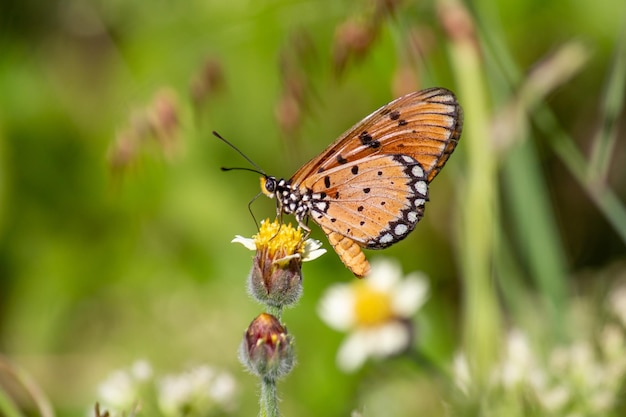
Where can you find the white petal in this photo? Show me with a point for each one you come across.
(336, 307)
(223, 388)
(353, 352)
(246, 241)
(141, 370)
(384, 274)
(378, 342)
(461, 372)
(410, 294)
(312, 250)
(554, 399)
(389, 339)
(118, 390)
(285, 260)
(519, 361)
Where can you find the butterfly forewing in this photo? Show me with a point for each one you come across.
(425, 125)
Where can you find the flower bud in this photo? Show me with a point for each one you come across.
(276, 275)
(267, 350)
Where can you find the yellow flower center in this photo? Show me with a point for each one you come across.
(279, 239)
(372, 307)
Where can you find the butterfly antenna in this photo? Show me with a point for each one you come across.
(252, 213)
(257, 169)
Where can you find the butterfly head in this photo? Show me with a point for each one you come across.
(269, 186)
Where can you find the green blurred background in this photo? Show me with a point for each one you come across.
(114, 233)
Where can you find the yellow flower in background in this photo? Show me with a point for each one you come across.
(375, 312)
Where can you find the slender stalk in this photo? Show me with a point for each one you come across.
(8, 408)
(606, 138)
(275, 311)
(478, 212)
(269, 398)
(29, 384)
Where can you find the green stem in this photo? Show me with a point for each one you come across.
(478, 211)
(8, 407)
(269, 398)
(275, 311)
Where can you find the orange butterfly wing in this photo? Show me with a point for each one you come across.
(424, 124)
(370, 186)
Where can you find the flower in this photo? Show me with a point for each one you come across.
(375, 312)
(119, 393)
(202, 390)
(282, 242)
(267, 348)
(276, 275)
(583, 375)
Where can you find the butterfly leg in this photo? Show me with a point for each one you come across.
(349, 252)
(305, 227)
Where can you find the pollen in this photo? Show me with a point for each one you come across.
(372, 307)
(278, 239)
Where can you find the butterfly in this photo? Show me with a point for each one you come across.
(368, 189)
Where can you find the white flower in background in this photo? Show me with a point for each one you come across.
(461, 372)
(200, 391)
(374, 311)
(519, 362)
(584, 377)
(119, 392)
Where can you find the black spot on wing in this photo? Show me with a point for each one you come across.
(365, 137)
(367, 140)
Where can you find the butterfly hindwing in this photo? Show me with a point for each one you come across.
(375, 202)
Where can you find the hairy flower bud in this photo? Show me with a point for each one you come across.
(267, 350)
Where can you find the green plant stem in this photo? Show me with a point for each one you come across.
(275, 311)
(28, 383)
(478, 212)
(606, 138)
(269, 398)
(7, 406)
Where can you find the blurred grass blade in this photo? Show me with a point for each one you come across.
(606, 137)
(561, 142)
(537, 233)
(523, 184)
(606, 200)
(7, 406)
(24, 379)
(478, 213)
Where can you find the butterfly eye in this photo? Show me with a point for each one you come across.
(268, 186)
